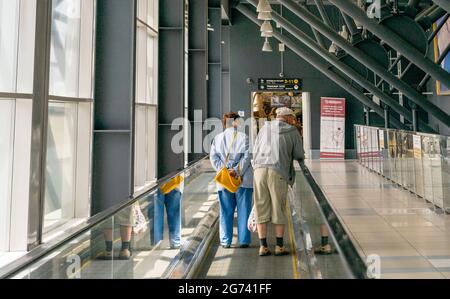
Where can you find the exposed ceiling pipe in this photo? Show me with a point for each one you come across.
(323, 13)
(413, 3)
(436, 14)
(426, 11)
(411, 8)
(368, 61)
(410, 64)
(394, 40)
(441, 58)
(321, 65)
(317, 35)
(445, 4)
(438, 28)
(350, 24)
(344, 68)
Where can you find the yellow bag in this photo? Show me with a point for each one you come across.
(227, 181)
(172, 185)
(224, 178)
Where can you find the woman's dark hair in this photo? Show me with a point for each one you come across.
(227, 116)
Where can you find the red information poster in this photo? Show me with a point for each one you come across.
(332, 128)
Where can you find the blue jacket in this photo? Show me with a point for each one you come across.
(239, 155)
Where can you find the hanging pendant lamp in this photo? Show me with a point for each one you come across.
(267, 47)
(266, 27)
(264, 16)
(264, 6)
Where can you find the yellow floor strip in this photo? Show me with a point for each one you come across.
(292, 241)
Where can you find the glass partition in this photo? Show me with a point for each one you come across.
(416, 161)
(445, 150)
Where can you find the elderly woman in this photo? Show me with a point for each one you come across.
(230, 149)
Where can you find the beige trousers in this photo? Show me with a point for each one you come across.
(270, 196)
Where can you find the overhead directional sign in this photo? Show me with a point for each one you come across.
(278, 84)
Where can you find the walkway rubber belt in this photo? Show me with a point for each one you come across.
(394, 40)
(445, 4)
(368, 61)
(324, 67)
(341, 66)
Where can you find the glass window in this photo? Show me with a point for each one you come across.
(146, 93)
(152, 129)
(9, 20)
(68, 140)
(6, 148)
(152, 71)
(61, 159)
(65, 48)
(145, 148)
(152, 13)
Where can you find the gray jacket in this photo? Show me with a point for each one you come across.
(277, 145)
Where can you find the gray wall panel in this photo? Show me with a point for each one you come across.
(168, 160)
(171, 13)
(171, 75)
(112, 172)
(197, 83)
(172, 43)
(114, 162)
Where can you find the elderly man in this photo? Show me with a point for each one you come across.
(277, 145)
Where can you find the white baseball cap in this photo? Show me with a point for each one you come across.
(284, 111)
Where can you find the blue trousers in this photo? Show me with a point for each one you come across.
(172, 203)
(242, 200)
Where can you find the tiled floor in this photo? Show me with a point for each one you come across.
(382, 219)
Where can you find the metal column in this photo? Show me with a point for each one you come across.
(215, 108)
(171, 82)
(415, 117)
(113, 140)
(197, 73)
(387, 124)
(39, 122)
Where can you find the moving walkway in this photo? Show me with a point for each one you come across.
(80, 254)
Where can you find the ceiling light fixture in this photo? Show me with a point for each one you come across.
(264, 6)
(267, 47)
(266, 27)
(266, 34)
(265, 16)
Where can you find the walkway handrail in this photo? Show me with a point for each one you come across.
(43, 249)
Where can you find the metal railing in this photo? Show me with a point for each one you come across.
(418, 162)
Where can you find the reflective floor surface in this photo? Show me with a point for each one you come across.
(410, 236)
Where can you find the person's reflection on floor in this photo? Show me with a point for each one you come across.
(126, 221)
(168, 197)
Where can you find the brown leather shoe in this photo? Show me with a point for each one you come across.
(279, 251)
(264, 251)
